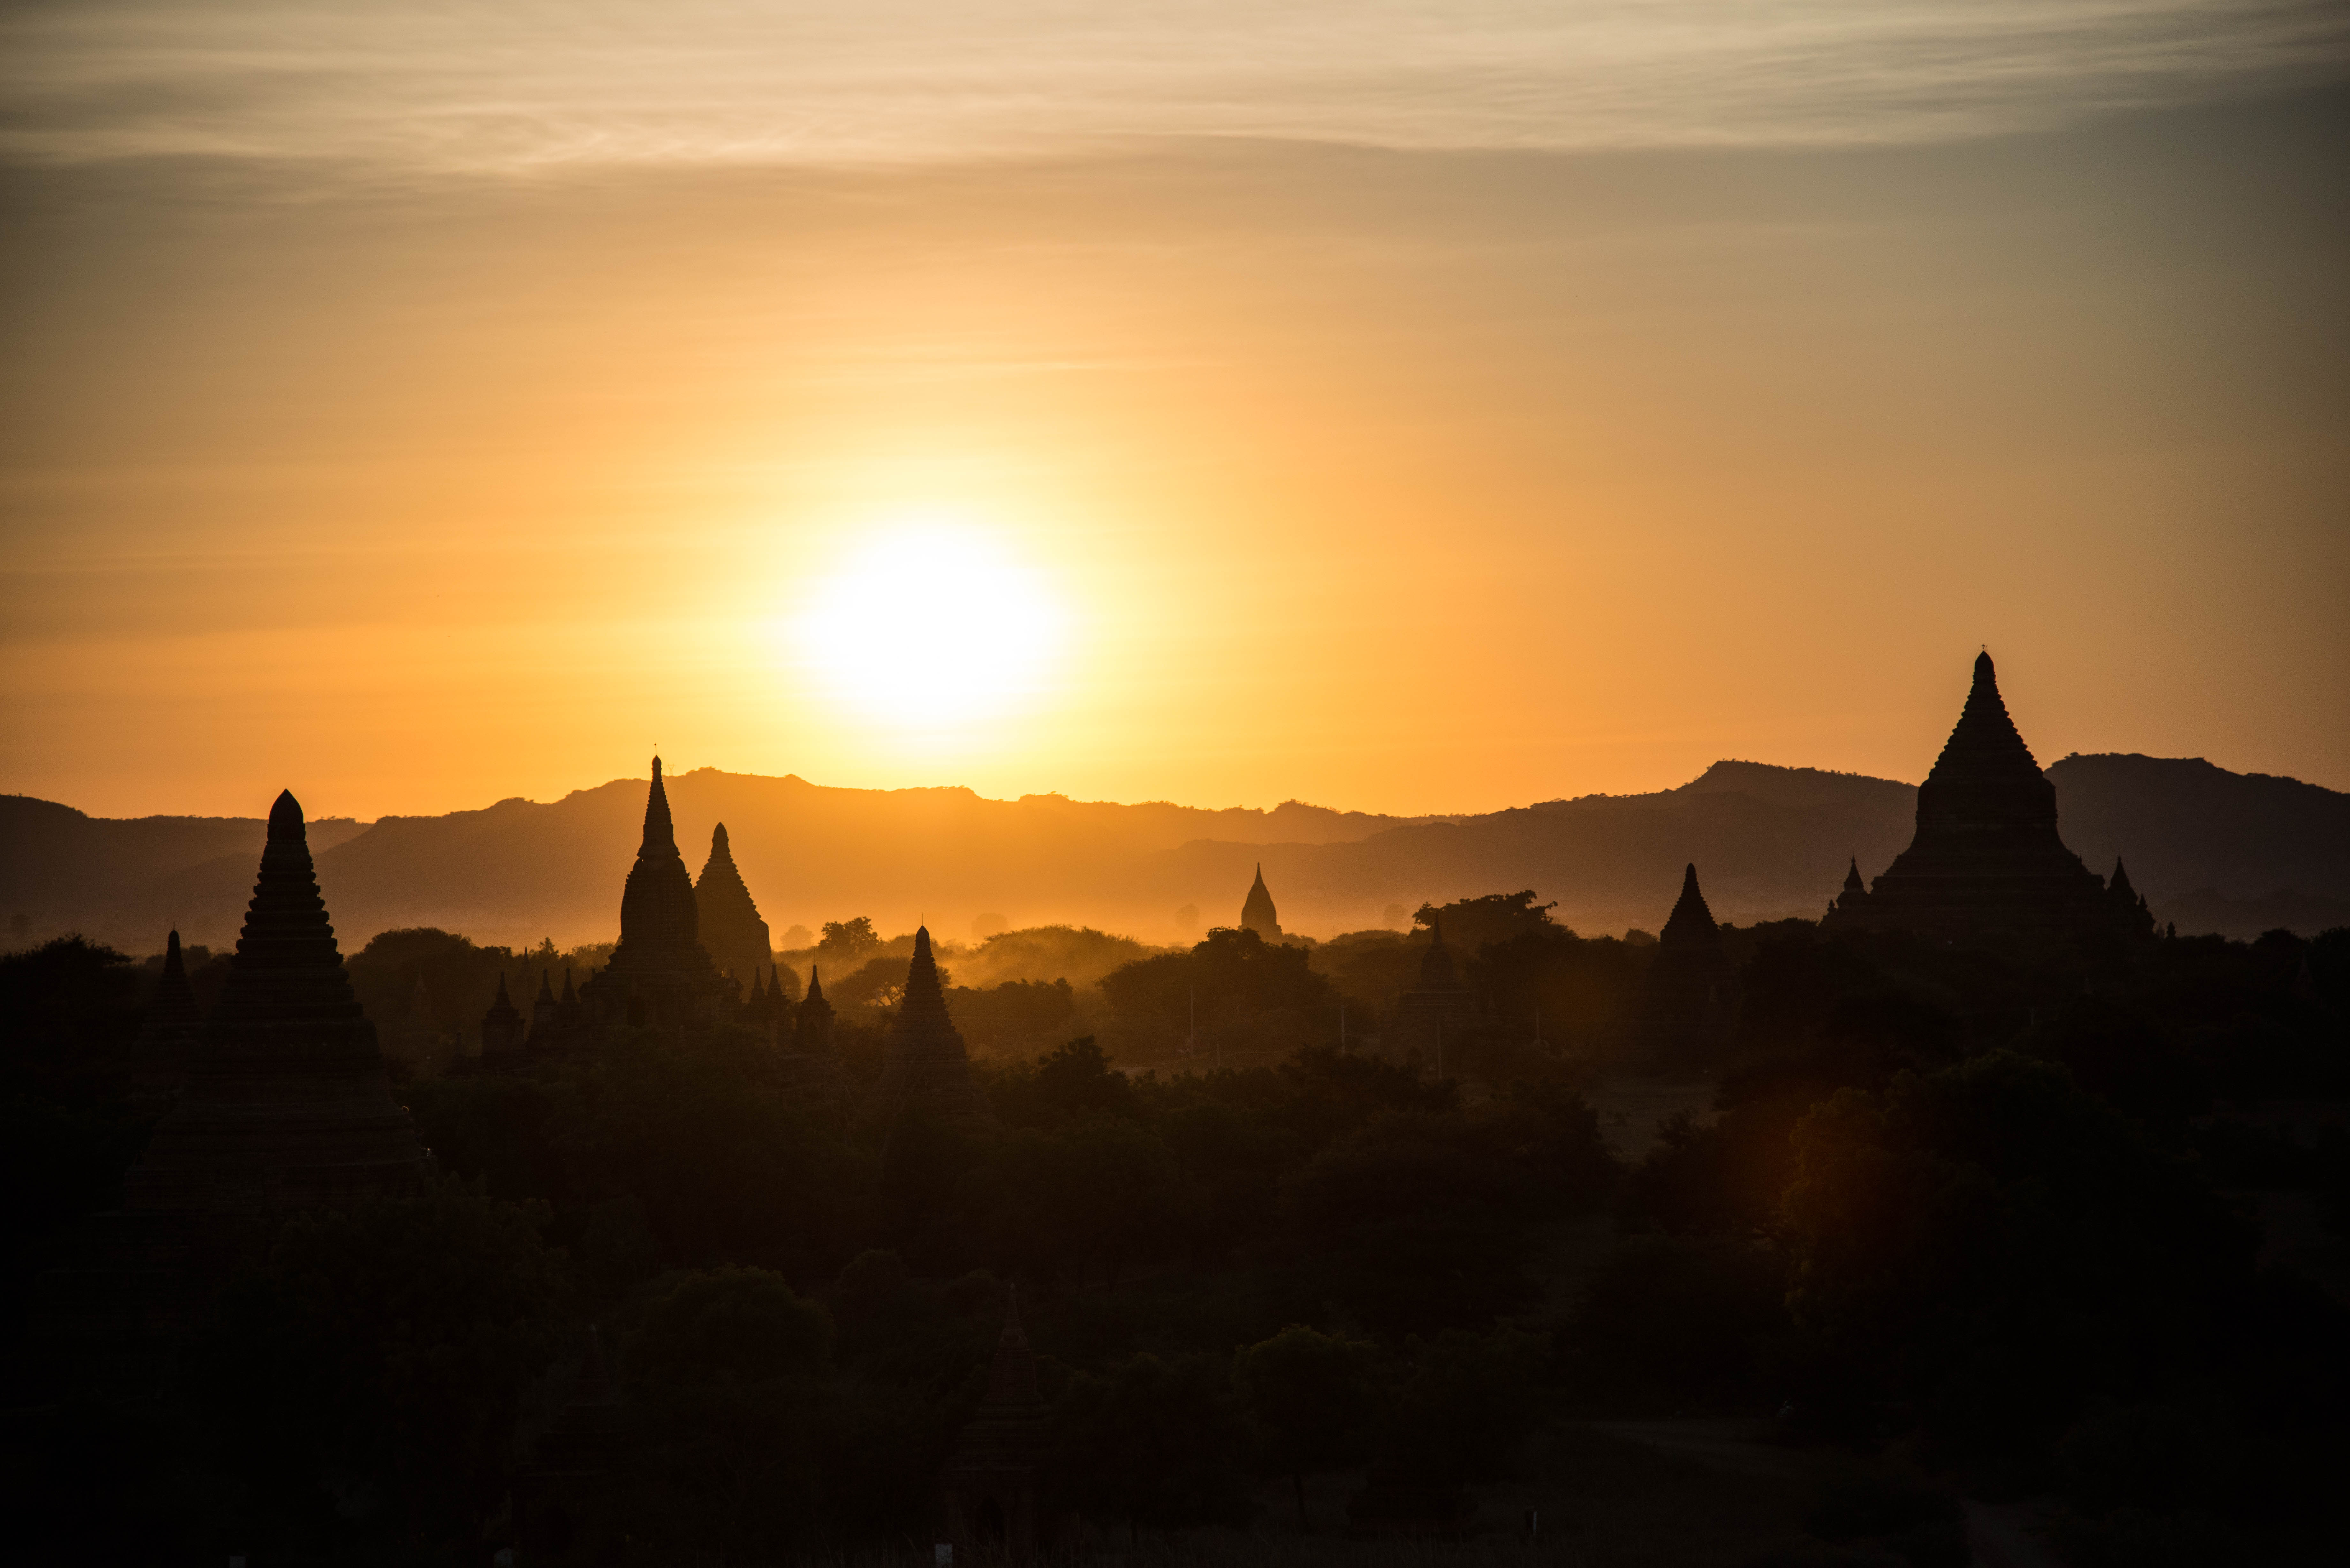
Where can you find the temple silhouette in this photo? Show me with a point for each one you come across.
(1685, 1001)
(926, 1072)
(994, 1489)
(1257, 913)
(732, 934)
(1432, 1013)
(287, 1102)
(1986, 859)
(660, 973)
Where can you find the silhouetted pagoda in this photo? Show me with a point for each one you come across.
(1986, 857)
(1854, 896)
(169, 1035)
(502, 1031)
(1684, 1006)
(542, 1013)
(659, 973)
(812, 1025)
(926, 1074)
(570, 1016)
(994, 1482)
(1257, 912)
(1431, 1012)
(287, 1105)
(2129, 912)
(732, 934)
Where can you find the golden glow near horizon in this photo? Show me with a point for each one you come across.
(1405, 407)
(929, 628)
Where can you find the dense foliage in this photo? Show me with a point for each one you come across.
(1998, 1209)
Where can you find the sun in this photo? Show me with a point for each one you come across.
(930, 627)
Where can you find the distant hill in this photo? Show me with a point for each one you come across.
(521, 869)
(2213, 850)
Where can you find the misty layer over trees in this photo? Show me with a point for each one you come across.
(1942, 1222)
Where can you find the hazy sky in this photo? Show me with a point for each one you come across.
(1408, 407)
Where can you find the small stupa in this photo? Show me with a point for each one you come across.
(503, 1033)
(1257, 913)
(1684, 1006)
(1432, 1013)
(169, 1033)
(926, 1073)
(994, 1479)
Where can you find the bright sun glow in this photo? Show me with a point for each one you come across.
(930, 628)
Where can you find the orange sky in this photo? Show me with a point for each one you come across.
(1402, 463)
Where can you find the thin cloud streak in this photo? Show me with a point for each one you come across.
(528, 86)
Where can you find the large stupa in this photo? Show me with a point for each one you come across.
(1986, 859)
(286, 1104)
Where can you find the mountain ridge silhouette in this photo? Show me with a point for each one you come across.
(2231, 850)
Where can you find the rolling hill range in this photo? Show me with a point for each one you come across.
(2212, 849)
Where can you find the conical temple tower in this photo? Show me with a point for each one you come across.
(993, 1482)
(502, 1031)
(1432, 1013)
(659, 975)
(926, 1073)
(1257, 913)
(811, 1028)
(1684, 1006)
(732, 934)
(169, 1035)
(1986, 859)
(286, 1104)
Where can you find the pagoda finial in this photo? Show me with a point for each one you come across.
(660, 831)
(286, 819)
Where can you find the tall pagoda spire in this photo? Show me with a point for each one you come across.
(659, 974)
(658, 915)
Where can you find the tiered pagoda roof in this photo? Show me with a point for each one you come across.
(1986, 857)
